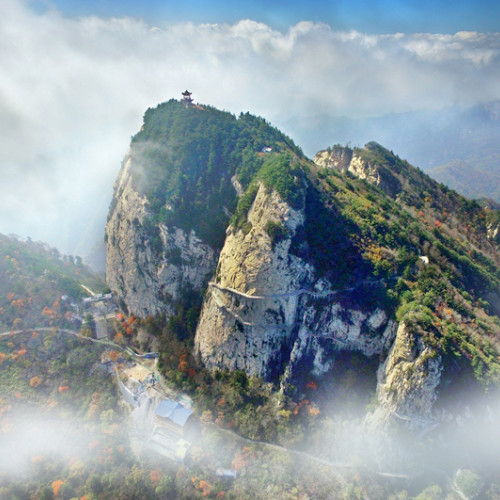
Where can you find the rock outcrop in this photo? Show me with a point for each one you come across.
(407, 382)
(148, 267)
(250, 313)
(345, 159)
(494, 232)
(268, 309)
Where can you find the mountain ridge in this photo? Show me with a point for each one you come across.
(294, 225)
(428, 139)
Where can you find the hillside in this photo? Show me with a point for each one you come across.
(65, 430)
(442, 247)
(33, 278)
(356, 286)
(445, 143)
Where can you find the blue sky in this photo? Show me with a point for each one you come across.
(368, 16)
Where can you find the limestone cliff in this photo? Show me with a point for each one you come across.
(250, 314)
(267, 312)
(268, 309)
(298, 262)
(149, 267)
(355, 162)
(407, 381)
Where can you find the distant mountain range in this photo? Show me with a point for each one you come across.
(457, 146)
(468, 180)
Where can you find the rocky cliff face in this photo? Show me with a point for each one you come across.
(147, 267)
(314, 264)
(348, 160)
(494, 232)
(250, 314)
(407, 382)
(267, 313)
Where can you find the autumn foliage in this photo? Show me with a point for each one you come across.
(114, 355)
(204, 486)
(242, 458)
(155, 476)
(183, 364)
(48, 312)
(56, 486)
(35, 381)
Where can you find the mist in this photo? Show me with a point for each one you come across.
(73, 92)
(34, 437)
(87, 436)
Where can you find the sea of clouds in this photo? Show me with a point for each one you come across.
(73, 91)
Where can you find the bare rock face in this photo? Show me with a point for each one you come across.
(267, 309)
(338, 157)
(250, 310)
(148, 266)
(327, 328)
(347, 160)
(407, 382)
(493, 232)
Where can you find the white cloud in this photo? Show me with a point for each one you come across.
(73, 91)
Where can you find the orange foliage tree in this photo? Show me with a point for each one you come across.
(114, 355)
(56, 486)
(48, 312)
(155, 476)
(35, 381)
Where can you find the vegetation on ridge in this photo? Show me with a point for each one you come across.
(185, 157)
(33, 277)
(432, 247)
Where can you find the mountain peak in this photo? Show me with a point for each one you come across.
(303, 262)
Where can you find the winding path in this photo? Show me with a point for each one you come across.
(296, 293)
(74, 333)
(234, 435)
